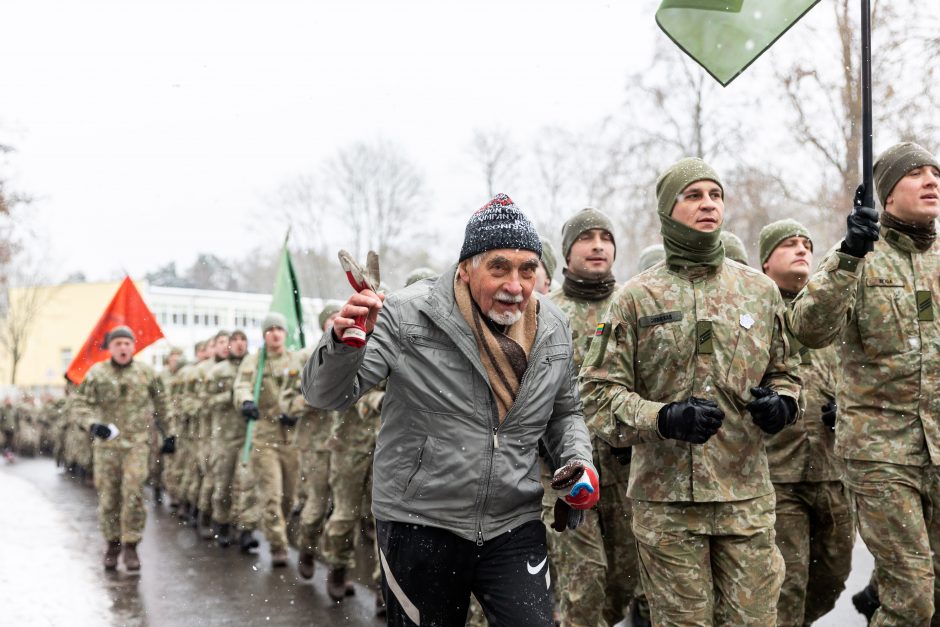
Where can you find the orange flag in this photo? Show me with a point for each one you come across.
(127, 308)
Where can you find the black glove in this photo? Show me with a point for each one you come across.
(694, 420)
(100, 431)
(862, 228)
(770, 411)
(169, 445)
(829, 412)
(566, 517)
(250, 410)
(287, 421)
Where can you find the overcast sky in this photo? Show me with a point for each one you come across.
(176, 119)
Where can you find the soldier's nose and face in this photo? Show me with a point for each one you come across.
(700, 206)
(592, 254)
(916, 197)
(791, 259)
(501, 282)
(274, 338)
(222, 347)
(122, 350)
(238, 346)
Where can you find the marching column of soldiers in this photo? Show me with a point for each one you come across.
(745, 423)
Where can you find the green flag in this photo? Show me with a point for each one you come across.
(285, 300)
(726, 36)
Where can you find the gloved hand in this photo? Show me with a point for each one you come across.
(287, 421)
(169, 445)
(579, 483)
(566, 517)
(862, 228)
(829, 412)
(250, 410)
(770, 411)
(105, 432)
(693, 420)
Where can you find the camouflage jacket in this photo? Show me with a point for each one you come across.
(882, 314)
(805, 451)
(171, 389)
(669, 335)
(355, 428)
(314, 425)
(280, 376)
(130, 397)
(182, 399)
(201, 412)
(583, 316)
(228, 424)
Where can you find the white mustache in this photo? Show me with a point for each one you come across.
(507, 298)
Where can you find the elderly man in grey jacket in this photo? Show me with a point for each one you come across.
(479, 370)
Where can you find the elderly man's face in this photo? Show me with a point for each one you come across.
(501, 282)
(122, 350)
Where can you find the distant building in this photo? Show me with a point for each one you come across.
(65, 315)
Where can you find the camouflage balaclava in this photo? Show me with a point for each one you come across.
(734, 247)
(897, 161)
(775, 232)
(685, 246)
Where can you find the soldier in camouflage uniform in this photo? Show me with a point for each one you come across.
(204, 393)
(815, 530)
(228, 435)
(734, 248)
(171, 364)
(692, 367)
(119, 400)
(199, 435)
(312, 434)
(185, 455)
(879, 308)
(274, 458)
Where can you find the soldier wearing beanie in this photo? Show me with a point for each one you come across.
(546, 269)
(879, 308)
(274, 460)
(650, 256)
(479, 372)
(596, 576)
(691, 367)
(120, 402)
(734, 248)
(806, 473)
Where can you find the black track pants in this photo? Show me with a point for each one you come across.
(429, 573)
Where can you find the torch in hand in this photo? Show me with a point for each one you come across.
(360, 279)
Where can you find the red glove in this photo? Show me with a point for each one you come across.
(580, 484)
(360, 279)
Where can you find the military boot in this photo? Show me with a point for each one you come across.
(866, 601)
(131, 561)
(111, 554)
(305, 564)
(336, 584)
(205, 526)
(278, 558)
(247, 541)
(224, 535)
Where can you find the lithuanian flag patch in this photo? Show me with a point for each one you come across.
(600, 328)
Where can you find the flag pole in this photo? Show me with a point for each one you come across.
(867, 159)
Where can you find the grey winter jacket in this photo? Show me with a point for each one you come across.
(442, 459)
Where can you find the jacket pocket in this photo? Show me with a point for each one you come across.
(419, 472)
(883, 326)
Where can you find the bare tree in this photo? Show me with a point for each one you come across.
(21, 307)
(496, 156)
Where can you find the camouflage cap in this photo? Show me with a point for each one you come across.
(650, 256)
(418, 274)
(549, 260)
(679, 176)
(330, 308)
(273, 319)
(585, 220)
(775, 232)
(897, 161)
(121, 331)
(734, 248)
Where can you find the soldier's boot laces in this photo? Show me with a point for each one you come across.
(336, 584)
(111, 555)
(866, 602)
(305, 564)
(224, 536)
(278, 558)
(205, 526)
(131, 561)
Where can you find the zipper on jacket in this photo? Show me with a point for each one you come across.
(495, 437)
(480, 535)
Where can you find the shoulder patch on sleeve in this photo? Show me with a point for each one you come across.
(595, 354)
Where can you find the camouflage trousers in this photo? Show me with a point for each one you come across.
(155, 476)
(815, 534)
(709, 563)
(225, 461)
(276, 467)
(207, 461)
(898, 513)
(315, 486)
(196, 471)
(120, 474)
(615, 510)
(78, 447)
(176, 469)
(578, 562)
(350, 478)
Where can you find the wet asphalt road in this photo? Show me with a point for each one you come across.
(50, 569)
(51, 574)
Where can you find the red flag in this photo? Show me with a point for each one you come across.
(127, 308)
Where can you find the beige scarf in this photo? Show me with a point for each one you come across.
(505, 355)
